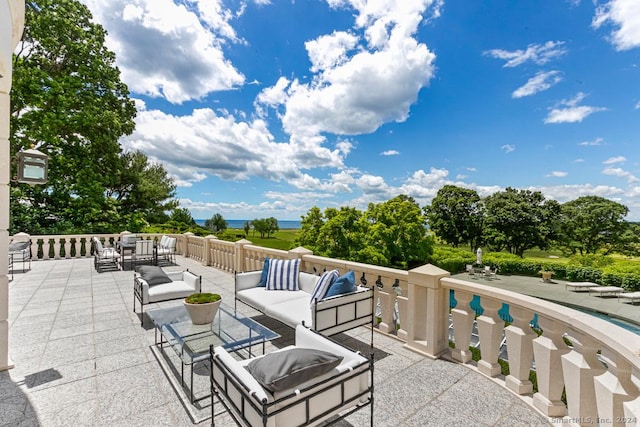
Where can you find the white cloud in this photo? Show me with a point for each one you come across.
(614, 160)
(536, 53)
(538, 83)
(595, 142)
(461, 176)
(339, 99)
(571, 112)
(624, 15)
(508, 148)
(329, 51)
(390, 153)
(619, 172)
(637, 107)
(556, 174)
(217, 144)
(170, 50)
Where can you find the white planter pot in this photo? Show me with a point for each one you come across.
(201, 314)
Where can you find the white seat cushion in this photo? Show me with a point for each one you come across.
(262, 299)
(292, 312)
(170, 290)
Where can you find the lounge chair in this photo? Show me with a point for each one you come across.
(632, 297)
(104, 257)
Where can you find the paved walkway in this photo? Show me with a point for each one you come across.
(82, 359)
(557, 292)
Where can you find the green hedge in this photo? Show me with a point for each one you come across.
(598, 269)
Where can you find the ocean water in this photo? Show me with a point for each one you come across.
(239, 223)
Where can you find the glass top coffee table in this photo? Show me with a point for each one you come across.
(191, 343)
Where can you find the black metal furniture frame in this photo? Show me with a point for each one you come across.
(137, 294)
(233, 384)
(328, 331)
(357, 320)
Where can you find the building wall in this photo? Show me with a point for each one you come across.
(11, 27)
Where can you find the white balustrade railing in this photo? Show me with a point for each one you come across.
(594, 363)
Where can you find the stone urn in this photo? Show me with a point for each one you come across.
(202, 307)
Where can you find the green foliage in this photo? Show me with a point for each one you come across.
(391, 233)
(68, 101)
(517, 220)
(456, 216)
(174, 227)
(591, 223)
(202, 298)
(182, 215)
(265, 226)
(216, 223)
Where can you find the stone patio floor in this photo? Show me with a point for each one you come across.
(82, 359)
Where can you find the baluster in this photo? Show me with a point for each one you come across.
(46, 244)
(520, 350)
(613, 388)
(463, 317)
(548, 349)
(632, 411)
(67, 247)
(579, 367)
(403, 316)
(56, 247)
(386, 305)
(490, 329)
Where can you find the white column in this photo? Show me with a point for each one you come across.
(579, 367)
(520, 350)
(548, 349)
(463, 316)
(11, 27)
(613, 388)
(490, 328)
(427, 314)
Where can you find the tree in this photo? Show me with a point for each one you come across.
(183, 216)
(67, 101)
(456, 215)
(310, 226)
(246, 226)
(216, 223)
(592, 223)
(142, 187)
(396, 230)
(517, 220)
(342, 234)
(265, 226)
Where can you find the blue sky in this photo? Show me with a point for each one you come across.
(266, 108)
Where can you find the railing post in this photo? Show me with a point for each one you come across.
(387, 303)
(520, 349)
(462, 316)
(579, 367)
(428, 311)
(207, 249)
(490, 329)
(299, 253)
(185, 249)
(613, 388)
(548, 349)
(239, 254)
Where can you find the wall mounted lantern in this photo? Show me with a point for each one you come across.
(32, 166)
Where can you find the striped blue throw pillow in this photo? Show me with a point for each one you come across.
(325, 281)
(283, 275)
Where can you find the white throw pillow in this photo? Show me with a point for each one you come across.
(325, 281)
(283, 275)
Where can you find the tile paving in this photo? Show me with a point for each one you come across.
(82, 359)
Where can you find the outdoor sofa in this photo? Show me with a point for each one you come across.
(300, 302)
(151, 284)
(263, 392)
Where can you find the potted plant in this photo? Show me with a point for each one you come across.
(202, 307)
